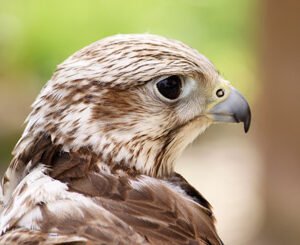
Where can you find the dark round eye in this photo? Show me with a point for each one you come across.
(220, 92)
(170, 87)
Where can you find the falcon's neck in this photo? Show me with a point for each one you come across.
(153, 156)
(139, 156)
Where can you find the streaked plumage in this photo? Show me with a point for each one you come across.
(95, 163)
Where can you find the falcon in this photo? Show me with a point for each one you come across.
(95, 163)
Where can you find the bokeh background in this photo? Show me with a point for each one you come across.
(253, 180)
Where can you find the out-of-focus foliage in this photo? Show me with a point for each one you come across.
(35, 36)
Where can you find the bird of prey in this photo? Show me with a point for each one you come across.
(95, 163)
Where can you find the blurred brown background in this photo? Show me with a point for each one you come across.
(253, 180)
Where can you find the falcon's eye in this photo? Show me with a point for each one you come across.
(170, 87)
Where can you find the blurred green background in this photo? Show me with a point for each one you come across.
(37, 35)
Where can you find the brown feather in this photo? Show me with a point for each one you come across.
(95, 164)
(156, 211)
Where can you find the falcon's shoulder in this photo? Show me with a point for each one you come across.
(71, 194)
(180, 181)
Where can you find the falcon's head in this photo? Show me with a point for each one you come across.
(134, 100)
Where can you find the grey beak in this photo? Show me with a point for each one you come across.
(235, 108)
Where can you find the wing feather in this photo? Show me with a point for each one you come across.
(67, 194)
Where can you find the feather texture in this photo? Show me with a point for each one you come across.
(95, 162)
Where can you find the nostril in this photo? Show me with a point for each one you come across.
(220, 93)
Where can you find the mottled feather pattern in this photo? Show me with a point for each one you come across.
(95, 164)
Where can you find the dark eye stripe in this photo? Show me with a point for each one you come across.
(170, 87)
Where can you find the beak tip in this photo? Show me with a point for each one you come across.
(247, 121)
(246, 128)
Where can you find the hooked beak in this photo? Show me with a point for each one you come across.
(234, 108)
